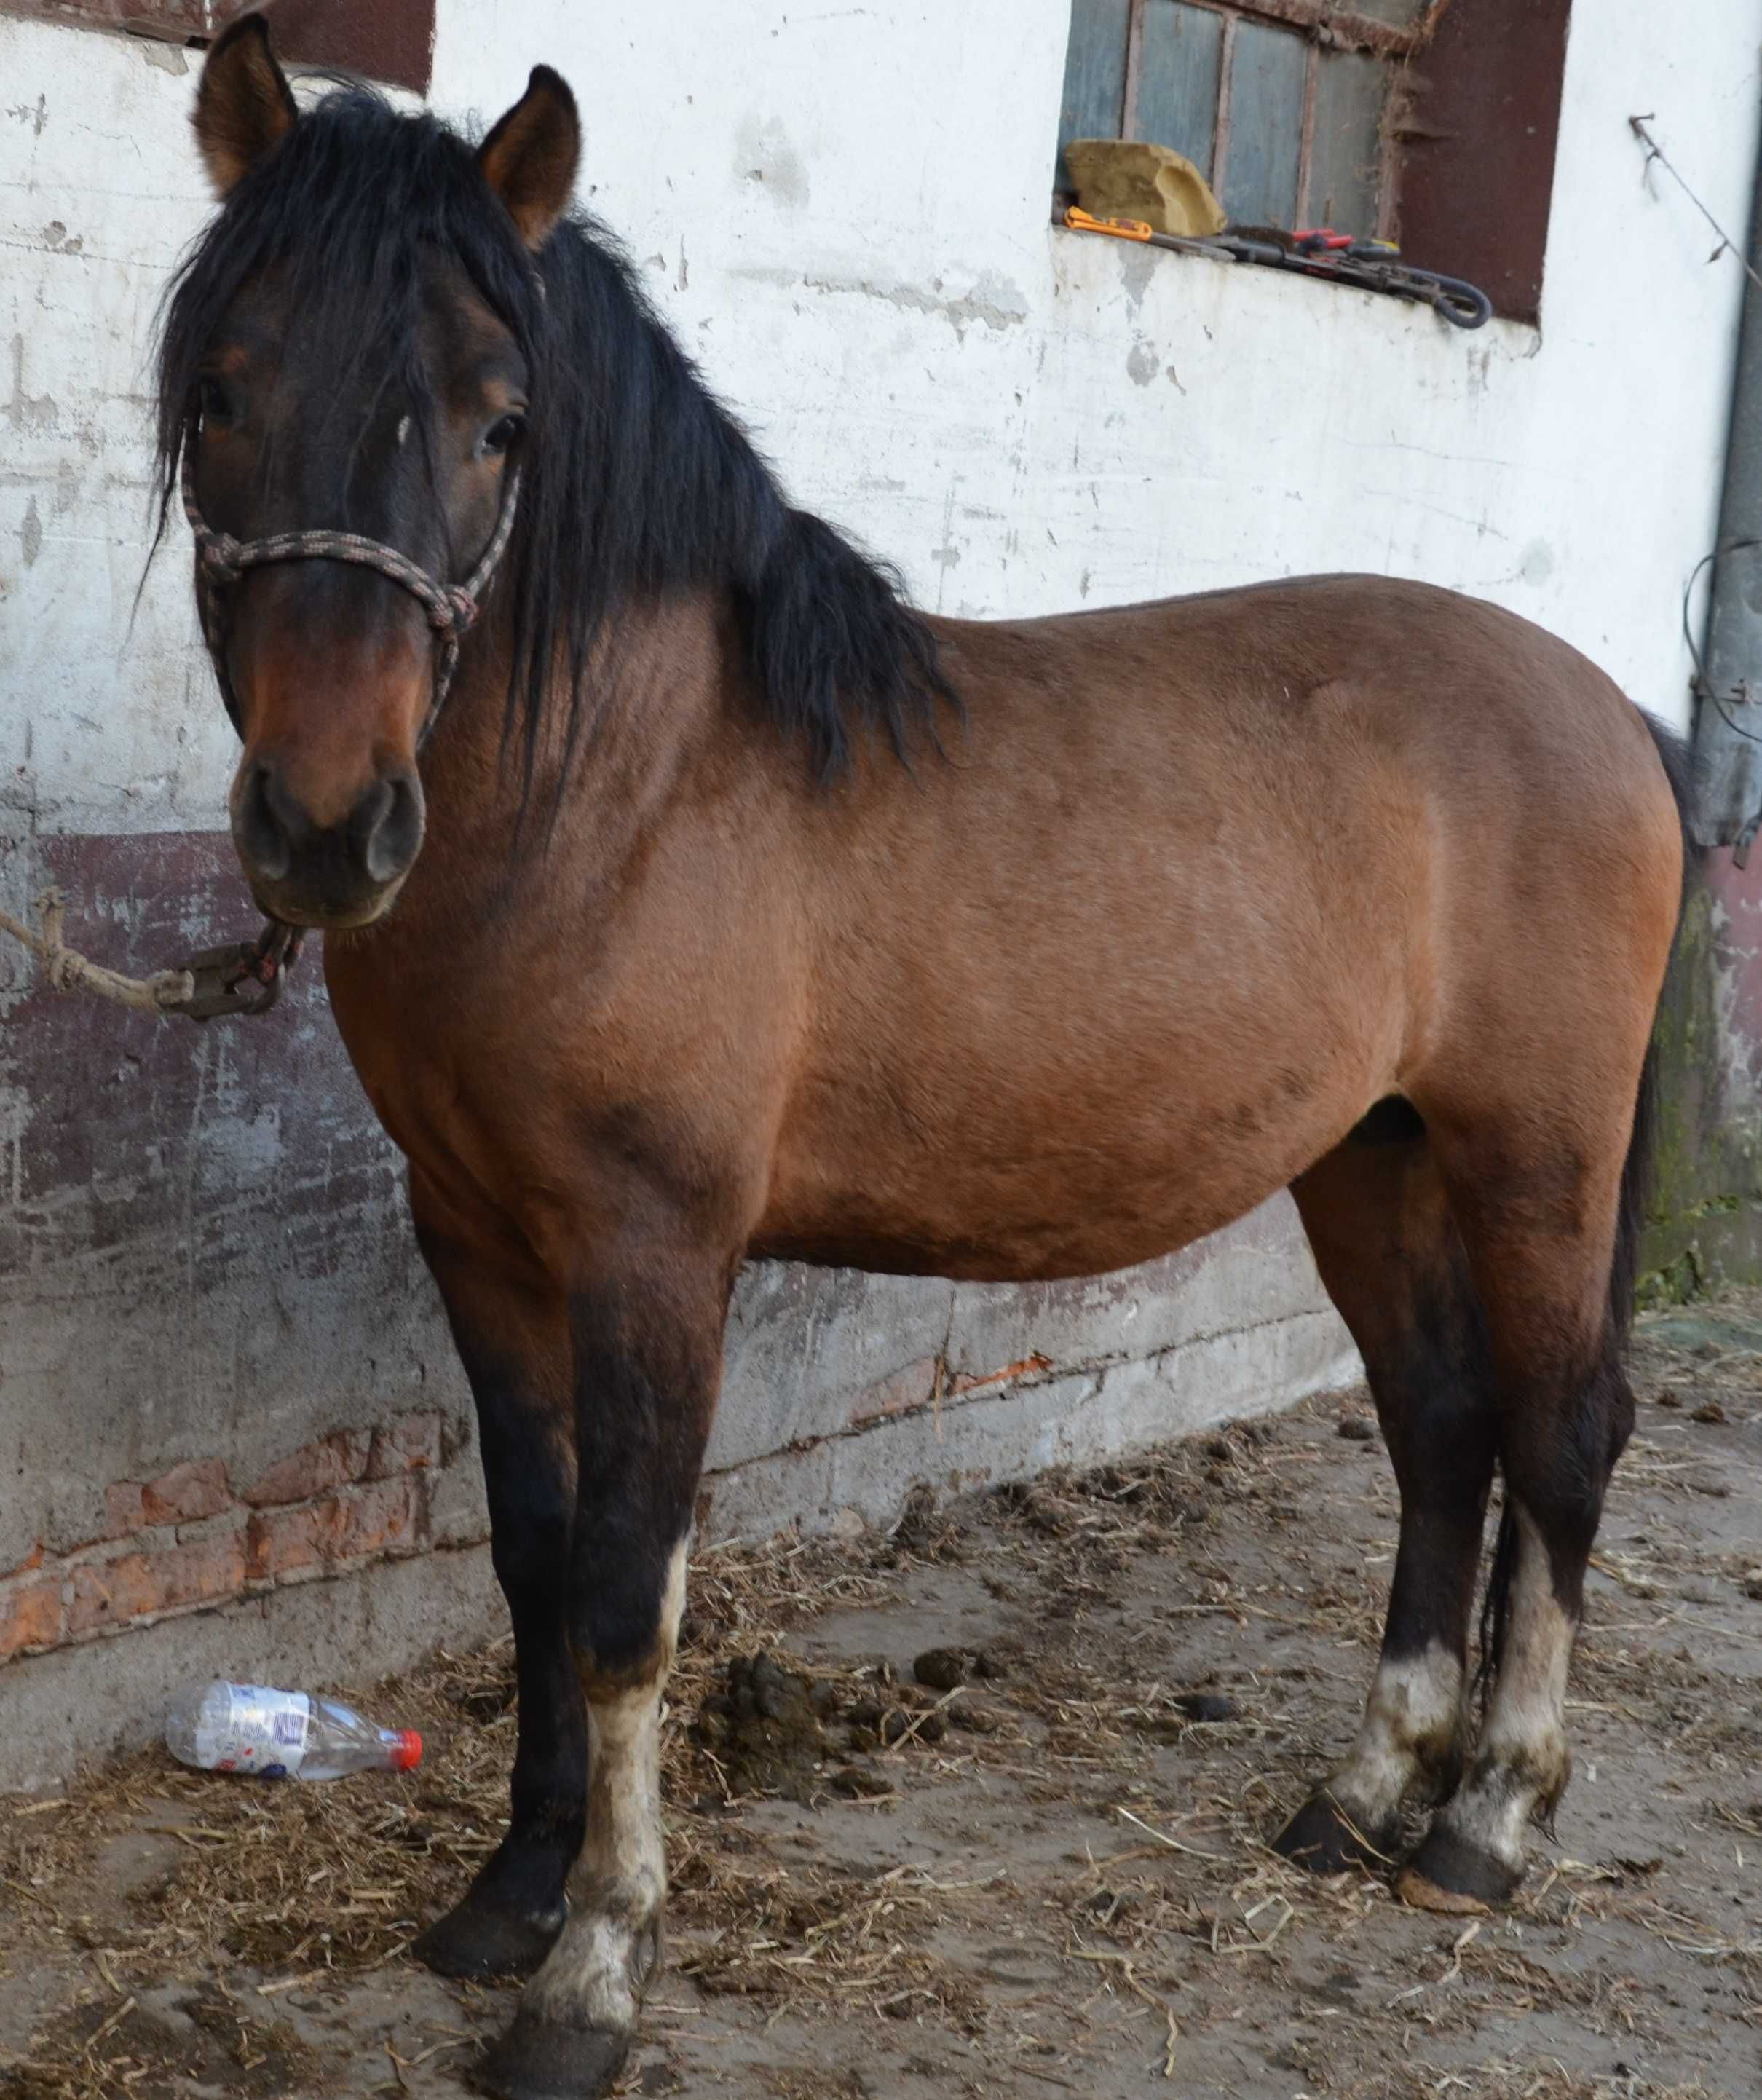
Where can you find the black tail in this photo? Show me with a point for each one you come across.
(1676, 755)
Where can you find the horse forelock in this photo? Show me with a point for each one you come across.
(636, 483)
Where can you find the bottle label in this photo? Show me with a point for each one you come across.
(263, 1732)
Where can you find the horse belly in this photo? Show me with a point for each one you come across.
(1003, 1183)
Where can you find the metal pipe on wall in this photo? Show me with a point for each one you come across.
(1728, 726)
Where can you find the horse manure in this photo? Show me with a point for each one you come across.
(942, 1669)
(1357, 1429)
(764, 1727)
(1206, 1706)
(976, 1720)
(929, 1727)
(857, 1784)
(1709, 1411)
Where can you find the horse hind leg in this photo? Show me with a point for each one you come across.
(1388, 1251)
(1541, 1238)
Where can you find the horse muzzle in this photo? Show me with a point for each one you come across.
(319, 870)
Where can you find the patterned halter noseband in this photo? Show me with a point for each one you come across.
(451, 608)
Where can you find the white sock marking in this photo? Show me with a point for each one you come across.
(595, 1975)
(1522, 1760)
(1414, 1711)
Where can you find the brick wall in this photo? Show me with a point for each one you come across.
(194, 1538)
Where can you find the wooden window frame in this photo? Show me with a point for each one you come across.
(1467, 146)
(391, 41)
(1324, 28)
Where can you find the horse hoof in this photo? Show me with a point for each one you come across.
(478, 1939)
(540, 2060)
(1458, 1879)
(1327, 1839)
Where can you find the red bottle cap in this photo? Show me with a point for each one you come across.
(407, 1753)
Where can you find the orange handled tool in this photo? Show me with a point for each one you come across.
(1121, 229)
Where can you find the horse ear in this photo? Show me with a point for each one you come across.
(529, 159)
(244, 105)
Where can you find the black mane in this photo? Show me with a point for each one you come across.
(636, 482)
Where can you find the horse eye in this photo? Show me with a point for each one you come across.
(502, 433)
(214, 403)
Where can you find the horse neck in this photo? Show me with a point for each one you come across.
(653, 708)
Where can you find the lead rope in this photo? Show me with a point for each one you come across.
(240, 979)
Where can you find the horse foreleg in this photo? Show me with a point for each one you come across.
(617, 1892)
(647, 1366)
(515, 1344)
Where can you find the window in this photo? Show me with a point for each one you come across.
(1431, 122)
(391, 41)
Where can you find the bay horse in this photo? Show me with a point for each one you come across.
(690, 897)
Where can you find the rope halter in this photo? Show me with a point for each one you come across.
(451, 608)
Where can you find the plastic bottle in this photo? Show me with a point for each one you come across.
(281, 1735)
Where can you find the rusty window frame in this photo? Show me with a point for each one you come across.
(391, 41)
(1323, 28)
(1466, 133)
(178, 21)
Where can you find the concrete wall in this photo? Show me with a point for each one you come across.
(229, 1428)
(1705, 1230)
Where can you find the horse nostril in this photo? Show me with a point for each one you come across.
(258, 829)
(387, 826)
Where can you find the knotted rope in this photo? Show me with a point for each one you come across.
(230, 982)
(165, 992)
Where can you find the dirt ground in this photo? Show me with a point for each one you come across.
(1042, 1873)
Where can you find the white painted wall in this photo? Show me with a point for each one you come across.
(843, 209)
